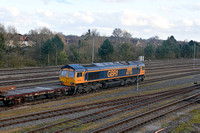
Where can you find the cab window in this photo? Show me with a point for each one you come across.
(64, 73)
(79, 74)
(71, 74)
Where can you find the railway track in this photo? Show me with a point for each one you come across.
(152, 73)
(14, 82)
(143, 118)
(28, 76)
(170, 62)
(153, 80)
(117, 106)
(171, 77)
(28, 71)
(191, 72)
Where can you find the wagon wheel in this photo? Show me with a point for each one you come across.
(49, 96)
(6, 102)
(15, 102)
(23, 100)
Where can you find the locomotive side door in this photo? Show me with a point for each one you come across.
(79, 77)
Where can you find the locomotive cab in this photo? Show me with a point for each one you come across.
(142, 70)
(67, 77)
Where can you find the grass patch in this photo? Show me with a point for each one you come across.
(13, 130)
(188, 126)
(26, 129)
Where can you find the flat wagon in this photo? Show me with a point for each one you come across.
(11, 95)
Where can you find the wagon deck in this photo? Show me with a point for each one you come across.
(12, 93)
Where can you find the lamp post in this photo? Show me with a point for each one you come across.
(194, 56)
(92, 48)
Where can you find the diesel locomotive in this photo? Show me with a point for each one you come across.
(86, 78)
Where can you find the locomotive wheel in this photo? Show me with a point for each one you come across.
(72, 91)
(128, 82)
(23, 100)
(99, 86)
(80, 89)
(88, 88)
(122, 82)
(96, 86)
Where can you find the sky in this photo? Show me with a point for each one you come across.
(141, 18)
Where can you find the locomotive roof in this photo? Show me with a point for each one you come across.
(104, 65)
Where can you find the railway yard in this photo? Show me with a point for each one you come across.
(165, 101)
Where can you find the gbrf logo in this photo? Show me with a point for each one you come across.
(112, 73)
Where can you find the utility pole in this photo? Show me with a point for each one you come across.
(195, 82)
(137, 83)
(93, 48)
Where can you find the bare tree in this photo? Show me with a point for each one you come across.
(39, 37)
(126, 34)
(117, 32)
(2, 29)
(12, 36)
(95, 32)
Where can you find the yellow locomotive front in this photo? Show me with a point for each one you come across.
(67, 77)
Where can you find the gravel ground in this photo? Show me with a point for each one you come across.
(139, 120)
(170, 121)
(53, 119)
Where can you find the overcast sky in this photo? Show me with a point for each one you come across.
(142, 18)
